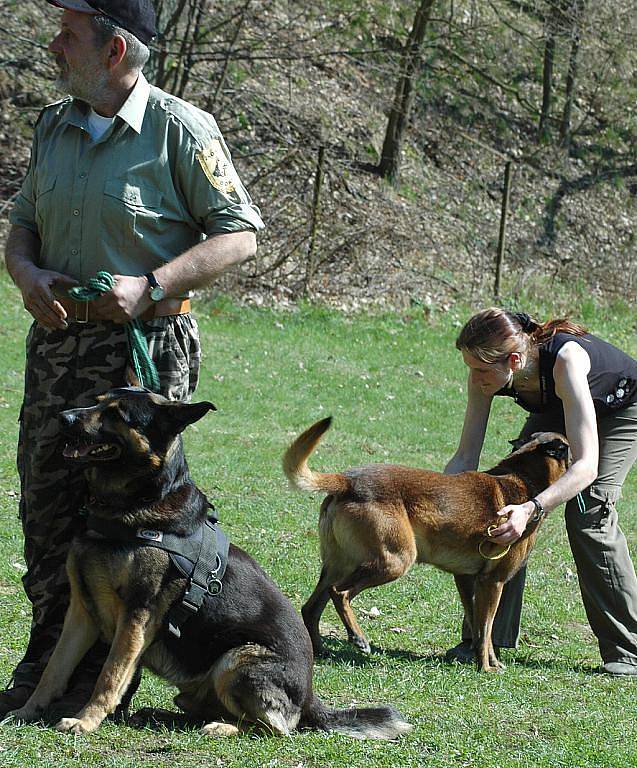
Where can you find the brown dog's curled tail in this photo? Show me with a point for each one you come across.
(296, 468)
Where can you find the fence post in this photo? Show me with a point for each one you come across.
(503, 224)
(316, 207)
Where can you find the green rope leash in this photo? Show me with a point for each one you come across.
(142, 364)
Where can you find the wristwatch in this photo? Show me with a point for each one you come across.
(539, 511)
(155, 290)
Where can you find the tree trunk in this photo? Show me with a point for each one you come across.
(571, 76)
(389, 164)
(547, 86)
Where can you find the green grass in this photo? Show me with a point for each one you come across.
(395, 386)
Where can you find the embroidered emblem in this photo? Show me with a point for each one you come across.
(150, 535)
(218, 169)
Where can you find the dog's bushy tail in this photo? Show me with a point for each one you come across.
(296, 468)
(359, 723)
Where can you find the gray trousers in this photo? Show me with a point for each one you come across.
(604, 567)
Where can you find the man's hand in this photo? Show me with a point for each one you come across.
(37, 289)
(512, 529)
(128, 298)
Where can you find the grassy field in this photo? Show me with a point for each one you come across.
(395, 386)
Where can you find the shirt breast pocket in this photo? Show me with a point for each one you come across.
(131, 214)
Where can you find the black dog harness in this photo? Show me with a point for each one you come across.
(201, 557)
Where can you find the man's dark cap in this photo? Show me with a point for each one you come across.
(136, 16)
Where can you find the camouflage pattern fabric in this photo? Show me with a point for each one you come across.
(69, 369)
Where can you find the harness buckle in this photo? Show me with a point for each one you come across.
(193, 598)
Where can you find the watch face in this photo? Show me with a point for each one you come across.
(157, 293)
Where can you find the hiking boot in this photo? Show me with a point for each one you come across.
(70, 703)
(463, 653)
(14, 698)
(78, 695)
(619, 668)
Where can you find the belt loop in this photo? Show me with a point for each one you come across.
(84, 317)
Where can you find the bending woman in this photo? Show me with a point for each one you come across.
(571, 382)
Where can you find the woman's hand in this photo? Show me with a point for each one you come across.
(517, 518)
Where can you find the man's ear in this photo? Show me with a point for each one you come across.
(117, 48)
(183, 414)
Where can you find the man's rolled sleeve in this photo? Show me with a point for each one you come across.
(215, 195)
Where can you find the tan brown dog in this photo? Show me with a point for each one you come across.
(380, 519)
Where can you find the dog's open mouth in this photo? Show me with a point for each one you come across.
(91, 451)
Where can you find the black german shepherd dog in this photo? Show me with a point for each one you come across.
(244, 656)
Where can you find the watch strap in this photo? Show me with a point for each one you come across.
(539, 510)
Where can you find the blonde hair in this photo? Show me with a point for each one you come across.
(493, 334)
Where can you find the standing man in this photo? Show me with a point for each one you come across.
(124, 178)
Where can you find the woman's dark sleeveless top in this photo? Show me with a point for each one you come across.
(612, 378)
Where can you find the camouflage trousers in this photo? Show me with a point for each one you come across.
(69, 369)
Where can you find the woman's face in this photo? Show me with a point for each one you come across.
(490, 377)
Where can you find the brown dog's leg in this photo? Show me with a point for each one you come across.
(126, 649)
(78, 635)
(486, 601)
(464, 584)
(313, 610)
(343, 607)
(364, 577)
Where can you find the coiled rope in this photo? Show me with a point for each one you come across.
(141, 362)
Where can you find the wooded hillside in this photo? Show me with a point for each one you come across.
(375, 136)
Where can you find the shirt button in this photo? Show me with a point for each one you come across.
(74, 251)
(82, 175)
(76, 212)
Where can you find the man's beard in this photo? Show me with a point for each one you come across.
(89, 85)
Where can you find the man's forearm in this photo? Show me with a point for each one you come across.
(21, 253)
(205, 262)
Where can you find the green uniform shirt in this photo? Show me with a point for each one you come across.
(152, 186)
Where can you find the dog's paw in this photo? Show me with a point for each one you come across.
(75, 725)
(362, 644)
(216, 730)
(496, 666)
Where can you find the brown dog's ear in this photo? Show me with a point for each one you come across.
(183, 414)
(557, 448)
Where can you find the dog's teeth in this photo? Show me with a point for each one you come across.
(76, 454)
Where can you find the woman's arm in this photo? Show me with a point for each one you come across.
(474, 429)
(571, 386)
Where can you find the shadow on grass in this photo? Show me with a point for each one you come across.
(341, 653)
(156, 719)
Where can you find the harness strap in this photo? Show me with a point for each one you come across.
(201, 557)
(205, 578)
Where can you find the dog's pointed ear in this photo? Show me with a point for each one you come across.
(183, 414)
(557, 448)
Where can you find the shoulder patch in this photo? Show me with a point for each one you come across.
(218, 168)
